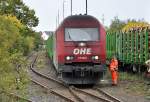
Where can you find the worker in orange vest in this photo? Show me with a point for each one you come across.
(114, 70)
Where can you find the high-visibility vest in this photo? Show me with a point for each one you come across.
(113, 64)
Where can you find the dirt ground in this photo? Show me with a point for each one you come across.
(127, 91)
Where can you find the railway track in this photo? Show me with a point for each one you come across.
(96, 94)
(51, 85)
(69, 93)
(108, 95)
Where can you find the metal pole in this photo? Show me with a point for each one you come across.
(86, 7)
(103, 19)
(58, 17)
(63, 8)
(71, 7)
(56, 22)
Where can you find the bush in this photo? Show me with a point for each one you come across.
(12, 48)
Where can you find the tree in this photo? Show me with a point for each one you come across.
(116, 25)
(38, 41)
(17, 39)
(25, 15)
(20, 10)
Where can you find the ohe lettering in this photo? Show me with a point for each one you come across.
(82, 51)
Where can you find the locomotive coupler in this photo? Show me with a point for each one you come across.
(83, 72)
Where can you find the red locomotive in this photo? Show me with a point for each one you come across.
(78, 50)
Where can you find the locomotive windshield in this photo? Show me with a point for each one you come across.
(81, 34)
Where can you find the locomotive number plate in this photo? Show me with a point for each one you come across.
(83, 58)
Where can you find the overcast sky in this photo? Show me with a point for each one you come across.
(47, 10)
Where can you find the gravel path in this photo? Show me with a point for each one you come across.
(121, 92)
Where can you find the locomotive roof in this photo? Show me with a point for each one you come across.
(80, 17)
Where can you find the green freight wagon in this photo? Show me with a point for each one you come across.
(111, 44)
(49, 46)
(131, 48)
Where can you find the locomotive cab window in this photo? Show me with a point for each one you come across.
(81, 34)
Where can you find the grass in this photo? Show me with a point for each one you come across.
(40, 63)
(6, 98)
(123, 76)
(22, 91)
(41, 60)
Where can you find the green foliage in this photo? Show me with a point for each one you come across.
(38, 41)
(16, 9)
(12, 48)
(17, 39)
(29, 44)
(20, 10)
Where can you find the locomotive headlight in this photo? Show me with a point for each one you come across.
(82, 44)
(69, 58)
(95, 57)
